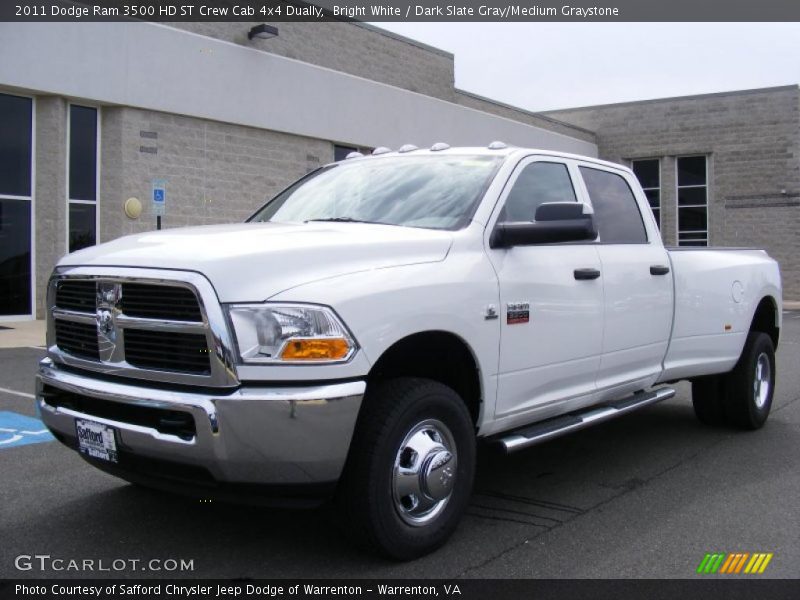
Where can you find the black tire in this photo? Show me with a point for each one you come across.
(733, 398)
(747, 405)
(708, 397)
(375, 517)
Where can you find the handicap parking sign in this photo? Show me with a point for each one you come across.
(159, 196)
(19, 430)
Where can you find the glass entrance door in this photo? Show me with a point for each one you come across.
(16, 218)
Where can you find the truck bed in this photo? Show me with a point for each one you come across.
(716, 292)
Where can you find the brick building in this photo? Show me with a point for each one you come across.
(93, 114)
(719, 169)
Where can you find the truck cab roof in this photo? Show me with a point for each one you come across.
(505, 151)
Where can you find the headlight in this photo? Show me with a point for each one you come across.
(281, 333)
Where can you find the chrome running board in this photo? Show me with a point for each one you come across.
(530, 435)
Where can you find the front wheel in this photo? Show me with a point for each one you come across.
(409, 474)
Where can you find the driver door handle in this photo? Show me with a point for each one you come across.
(658, 270)
(586, 274)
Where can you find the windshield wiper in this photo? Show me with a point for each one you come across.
(343, 220)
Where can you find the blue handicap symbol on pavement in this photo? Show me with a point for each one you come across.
(19, 430)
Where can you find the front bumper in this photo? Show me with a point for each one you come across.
(271, 436)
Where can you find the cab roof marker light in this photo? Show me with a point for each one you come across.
(380, 150)
(407, 148)
(354, 155)
(439, 146)
(498, 145)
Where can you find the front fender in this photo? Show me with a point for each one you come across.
(384, 306)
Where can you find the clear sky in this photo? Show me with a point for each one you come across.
(543, 66)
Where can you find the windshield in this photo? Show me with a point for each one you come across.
(436, 192)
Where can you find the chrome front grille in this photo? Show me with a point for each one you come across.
(168, 330)
(79, 339)
(160, 302)
(167, 350)
(77, 294)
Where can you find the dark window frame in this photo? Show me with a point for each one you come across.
(656, 210)
(345, 150)
(17, 186)
(76, 202)
(17, 200)
(691, 237)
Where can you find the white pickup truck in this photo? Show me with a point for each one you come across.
(366, 327)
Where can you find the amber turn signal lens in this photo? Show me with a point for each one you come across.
(316, 349)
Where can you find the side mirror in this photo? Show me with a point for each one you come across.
(555, 222)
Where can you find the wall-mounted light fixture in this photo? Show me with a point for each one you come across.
(133, 208)
(262, 32)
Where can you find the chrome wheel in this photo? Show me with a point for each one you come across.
(424, 472)
(762, 380)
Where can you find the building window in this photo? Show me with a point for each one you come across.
(341, 152)
(16, 214)
(692, 201)
(648, 172)
(82, 142)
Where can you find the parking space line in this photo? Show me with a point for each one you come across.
(16, 393)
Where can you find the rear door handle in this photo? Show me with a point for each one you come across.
(586, 274)
(658, 270)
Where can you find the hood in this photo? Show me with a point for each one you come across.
(250, 262)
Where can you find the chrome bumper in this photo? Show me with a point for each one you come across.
(254, 435)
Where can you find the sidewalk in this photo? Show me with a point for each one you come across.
(22, 333)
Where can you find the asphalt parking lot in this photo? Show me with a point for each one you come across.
(644, 496)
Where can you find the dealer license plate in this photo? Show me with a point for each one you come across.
(96, 440)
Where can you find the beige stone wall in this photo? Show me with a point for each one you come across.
(355, 49)
(215, 172)
(50, 190)
(516, 114)
(752, 139)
